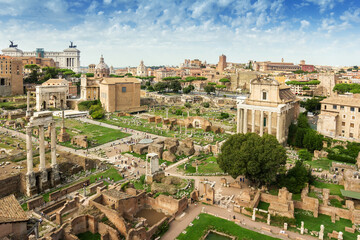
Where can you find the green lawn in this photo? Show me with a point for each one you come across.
(97, 135)
(89, 236)
(323, 163)
(207, 164)
(313, 224)
(206, 222)
(334, 188)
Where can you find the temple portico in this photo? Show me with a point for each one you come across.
(41, 119)
(269, 109)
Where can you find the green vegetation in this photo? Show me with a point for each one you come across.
(341, 154)
(206, 105)
(86, 105)
(263, 205)
(322, 163)
(347, 87)
(296, 178)
(312, 82)
(334, 188)
(224, 80)
(24, 206)
(305, 155)
(97, 135)
(224, 115)
(313, 224)
(112, 173)
(208, 222)
(12, 105)
(206, 164)
(209, 89)
(312, 105)
(258, 158)
(89, 236)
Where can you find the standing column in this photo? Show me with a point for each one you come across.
(269, 125)
(28, 104)
(42, 148)
(261, 123)
(238, 121)
(278, 127)
(245, 121)
(53, 145)
(29, 150)
(253, 121)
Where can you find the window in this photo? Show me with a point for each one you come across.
(123, 89)
(351, 135)
(352, 109)
(344, 116)
(334, 106)
(341, 107)
(353, 117)
(264, 122)
(351, 125)
(264, 95)
(343, 124)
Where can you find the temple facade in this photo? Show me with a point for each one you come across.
(270, 108)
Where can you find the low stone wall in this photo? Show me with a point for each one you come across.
(167, 204)
(265, 197)
(58, 194)
(93, 188)
(36, 202)
(10, 185)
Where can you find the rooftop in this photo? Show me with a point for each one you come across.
(352, 101)
(11, 211)
(114, 80)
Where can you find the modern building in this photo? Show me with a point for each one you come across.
(11, 76)
(340, 117)
(270, 108)
(68, 58)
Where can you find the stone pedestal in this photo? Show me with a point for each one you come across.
(44, 182)
(63, 136)
(31, 188)
(55, 176)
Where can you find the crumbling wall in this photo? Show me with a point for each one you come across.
(58, 194)
(35, 202)
(168, 204)
(10, 185)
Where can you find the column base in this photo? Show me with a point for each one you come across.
(31, 188)
(44, 182)
(55, 176)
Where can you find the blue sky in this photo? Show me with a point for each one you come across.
(164, 32)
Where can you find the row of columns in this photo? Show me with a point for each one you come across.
(70, 62)
(42, 165)
(242, 122)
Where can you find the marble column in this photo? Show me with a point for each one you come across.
(245, 121)
(238, 121)
(53, 144)
(28, 104)
(29, 150)
(253, 121)
(270, 121)
(42, 148)
(261, 123)
(278, 127)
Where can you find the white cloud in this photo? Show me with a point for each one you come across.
(352, 15)
(304, 24)
(325, 4)
(107, 2)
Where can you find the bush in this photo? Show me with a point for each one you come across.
(186, 90)
(304, 155)
(224, 115)
(188, 105)
(143, 87)
(178, 112)
(85, 105)
(150, 88)
(206, 105)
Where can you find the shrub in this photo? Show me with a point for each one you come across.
(206, 104)
(224, 115)
(304, 155)
(188, 105)
(178, 112)
(143, 87)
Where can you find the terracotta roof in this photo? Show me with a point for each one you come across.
(347, 101)
(286, 94)
(11, 211)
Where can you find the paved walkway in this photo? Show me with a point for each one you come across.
(179, 225)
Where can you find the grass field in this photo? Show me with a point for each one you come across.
(207, 164)
(207, 222)
(313, 224)
(97, 135)
(334, 188)
(263, 205)
(323, 163)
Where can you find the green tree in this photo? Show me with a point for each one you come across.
(89, 74)
(206, 105)
(191, 87)
(296, 178)
(258, 158)
(224, 80)
(175, 86)
(186, 90)
(209, 88)
(305, 155)
(188, 105)
(312, 105)
(312, 140)
(160, 86)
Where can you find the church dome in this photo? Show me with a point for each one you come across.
(102, 64)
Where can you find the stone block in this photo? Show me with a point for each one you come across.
(183, 150)
(140, 148)
(189, 143)
(170, 142)
(156, 148)
(80, 140)
(169, 156)
(172, 148)
(151, 119)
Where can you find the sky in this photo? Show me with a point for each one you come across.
(165, 32)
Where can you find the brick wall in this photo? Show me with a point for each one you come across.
(58, 194)
(10, 185)
(36, 202)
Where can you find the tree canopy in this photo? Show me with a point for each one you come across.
(258, 158)
(345, 87)
(209, 88)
